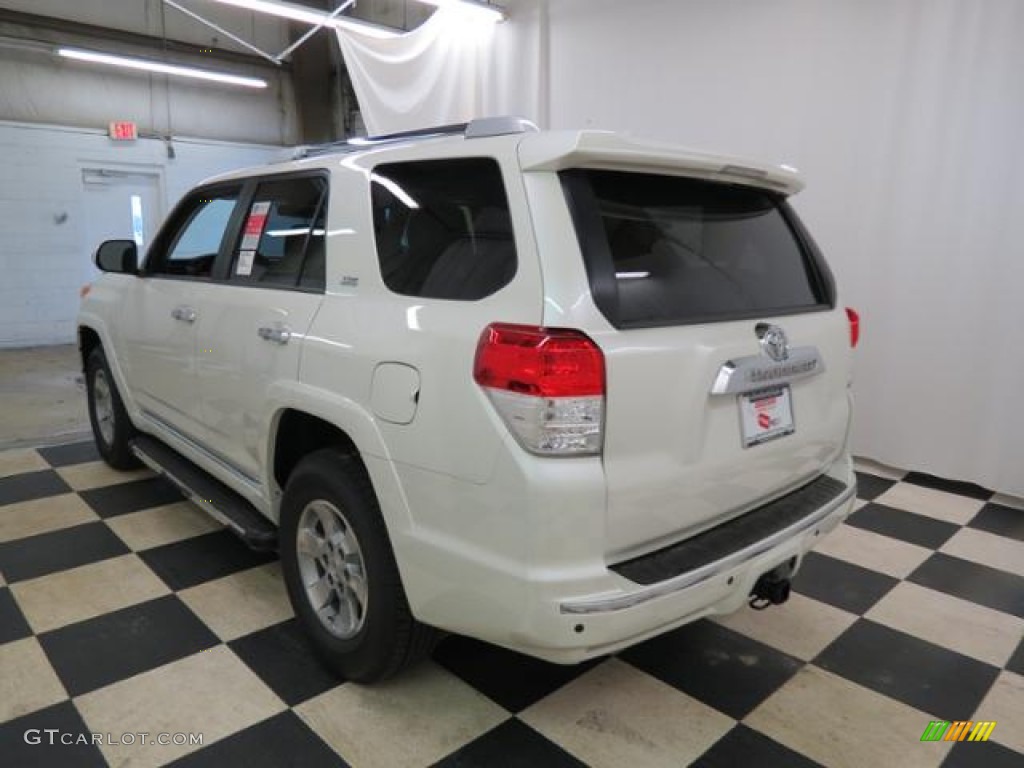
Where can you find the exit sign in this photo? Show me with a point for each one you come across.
(123, 130)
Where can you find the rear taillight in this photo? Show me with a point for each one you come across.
(547, 384)
(854, 318)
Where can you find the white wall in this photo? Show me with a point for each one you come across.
(906, 117)
(44, 256)
(45, 250)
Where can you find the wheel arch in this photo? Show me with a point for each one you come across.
(303, 425)
(88, 340)
(92, 335)
(299, 433)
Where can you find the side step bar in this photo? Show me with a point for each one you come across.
(207, 493)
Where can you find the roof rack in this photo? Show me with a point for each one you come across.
(479, 128)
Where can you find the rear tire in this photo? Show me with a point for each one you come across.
(112, 429)
(341, 574)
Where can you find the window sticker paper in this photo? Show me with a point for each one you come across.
(245, 259)
(254, 225)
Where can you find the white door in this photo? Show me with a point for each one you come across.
(161, 312)
(118, 205)
(249, 335)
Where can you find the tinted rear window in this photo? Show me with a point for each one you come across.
(443, 228)
(667, 250)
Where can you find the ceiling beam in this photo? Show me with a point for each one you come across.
(93, 32)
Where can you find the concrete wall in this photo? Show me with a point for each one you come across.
(38, 86)
(147, 17)
(44, 256)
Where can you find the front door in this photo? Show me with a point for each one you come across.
(163, 309)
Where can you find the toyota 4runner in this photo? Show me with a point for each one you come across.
(560, 391)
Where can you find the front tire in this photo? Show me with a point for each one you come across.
(111, 427)
(341, 574)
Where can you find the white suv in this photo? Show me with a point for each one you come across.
(560, 391)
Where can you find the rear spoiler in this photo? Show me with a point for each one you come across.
(556, 151)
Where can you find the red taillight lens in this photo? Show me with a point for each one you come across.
(542, 362)
(547, 384)
(854, 326)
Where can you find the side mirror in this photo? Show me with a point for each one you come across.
(118, 256)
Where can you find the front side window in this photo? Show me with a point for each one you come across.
(282, 239)
(196, 242)
(443, 228)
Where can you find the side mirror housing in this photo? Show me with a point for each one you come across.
(118, 256)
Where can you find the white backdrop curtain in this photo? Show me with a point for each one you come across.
(449, 70)
(906, 117)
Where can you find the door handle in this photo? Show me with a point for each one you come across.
(279, 334)
(185, 314)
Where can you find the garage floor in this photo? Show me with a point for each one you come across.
(43, 396)
(125, 610)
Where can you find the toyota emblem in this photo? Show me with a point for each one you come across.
(773, 341)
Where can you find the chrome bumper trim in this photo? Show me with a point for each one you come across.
(709, 571)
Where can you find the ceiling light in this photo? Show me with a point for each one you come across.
(312, 16)
(470, 7)
(284, 10)
(148, 65)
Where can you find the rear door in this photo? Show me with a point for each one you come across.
(702, 284)
(252, 329)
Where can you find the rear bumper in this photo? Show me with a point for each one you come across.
(561, 601)
(722, 549)
(611, 620)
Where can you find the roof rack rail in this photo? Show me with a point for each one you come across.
(499, 126)
(419, 133)
(479, 128)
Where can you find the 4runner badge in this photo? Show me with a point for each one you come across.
(773, 341)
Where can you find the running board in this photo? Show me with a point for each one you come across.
(207, 493)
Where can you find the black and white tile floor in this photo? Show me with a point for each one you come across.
(124, 610)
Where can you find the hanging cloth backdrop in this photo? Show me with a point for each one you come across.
(431, 76)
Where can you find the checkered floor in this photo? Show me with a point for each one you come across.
(123, 610)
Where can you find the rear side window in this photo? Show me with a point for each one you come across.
(282, 240)
(443, 228)
(668, 250)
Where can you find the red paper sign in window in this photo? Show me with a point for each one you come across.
(254, 225)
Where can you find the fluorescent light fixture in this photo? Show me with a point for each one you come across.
(471, 8)
(284, 10)
(395, 190)
(148, 65)
(632, 275)
(310, 16)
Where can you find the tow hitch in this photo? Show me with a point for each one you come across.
(772, 588)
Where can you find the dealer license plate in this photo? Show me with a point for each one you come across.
(766, 415)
